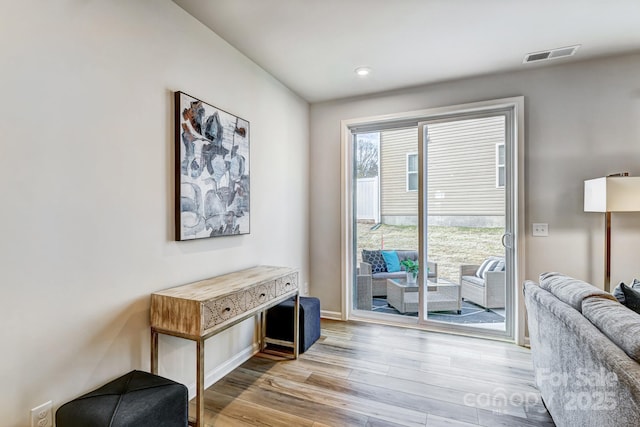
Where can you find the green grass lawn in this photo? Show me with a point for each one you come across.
(448, 246)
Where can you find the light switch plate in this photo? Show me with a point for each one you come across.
(540, 229)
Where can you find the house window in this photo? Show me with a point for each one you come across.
(412, 172)
(500, 172)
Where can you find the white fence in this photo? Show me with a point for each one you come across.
(368, 199)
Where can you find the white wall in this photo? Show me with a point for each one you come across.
(86, 178)
(581, 121)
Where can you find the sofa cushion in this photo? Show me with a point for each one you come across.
(375, 259)
(386, 275)
(618, 323)
(474, 279)
(631, 298)
(571, 291)
(617, 292)
(391, 260)
(402, 255)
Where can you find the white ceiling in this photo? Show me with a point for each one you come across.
(313, 46)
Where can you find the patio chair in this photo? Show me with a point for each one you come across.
(484, 284)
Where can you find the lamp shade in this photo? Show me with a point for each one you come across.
(612, 194)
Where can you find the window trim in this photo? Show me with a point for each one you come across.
(408, 172)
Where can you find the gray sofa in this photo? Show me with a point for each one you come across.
(379, 280)
(586, 352)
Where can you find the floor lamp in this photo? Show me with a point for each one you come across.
(614, 193)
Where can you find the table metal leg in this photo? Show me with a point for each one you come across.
(154, 351)
(296, 326)
(200, 383)
(263, 330)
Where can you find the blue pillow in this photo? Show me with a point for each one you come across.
(392, 261)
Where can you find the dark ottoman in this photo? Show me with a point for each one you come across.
(280, 321)
(137, 399)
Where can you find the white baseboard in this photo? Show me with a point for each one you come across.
(220, 371)
(332, 315)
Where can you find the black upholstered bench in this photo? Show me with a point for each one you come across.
(280, 326)
(137, 399)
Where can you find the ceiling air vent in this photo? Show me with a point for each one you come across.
(547, 55)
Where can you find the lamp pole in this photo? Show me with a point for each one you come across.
(607, 252)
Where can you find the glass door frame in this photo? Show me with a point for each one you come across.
(514, 201)
(510, 228)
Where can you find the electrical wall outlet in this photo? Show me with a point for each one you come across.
(42, 416)
(540, 230)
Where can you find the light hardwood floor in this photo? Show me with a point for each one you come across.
(361, 374)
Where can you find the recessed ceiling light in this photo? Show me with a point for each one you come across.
(363, 71)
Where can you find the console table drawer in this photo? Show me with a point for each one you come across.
(218, 311)
(263, 293)
(286, 284)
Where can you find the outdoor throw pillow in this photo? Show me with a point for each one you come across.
(488, 264)
(391, 260)
(632, 297)
(375, 259)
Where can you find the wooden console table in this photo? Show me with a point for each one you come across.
(199, 310)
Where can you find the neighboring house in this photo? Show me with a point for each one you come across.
(466, 174)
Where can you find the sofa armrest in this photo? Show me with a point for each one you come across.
(364, 269)
(364, 297)
(494, 280)
(433, 269)
(468, 270)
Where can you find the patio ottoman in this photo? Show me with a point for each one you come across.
(280, 326)
(137, 399)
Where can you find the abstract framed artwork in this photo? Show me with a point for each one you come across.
(212, 170)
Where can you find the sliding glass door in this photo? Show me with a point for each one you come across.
(464, 214)
(385, 225)
(435, 194)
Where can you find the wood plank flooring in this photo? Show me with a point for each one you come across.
(361, 374)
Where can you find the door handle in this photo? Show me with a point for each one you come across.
(507, 244)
